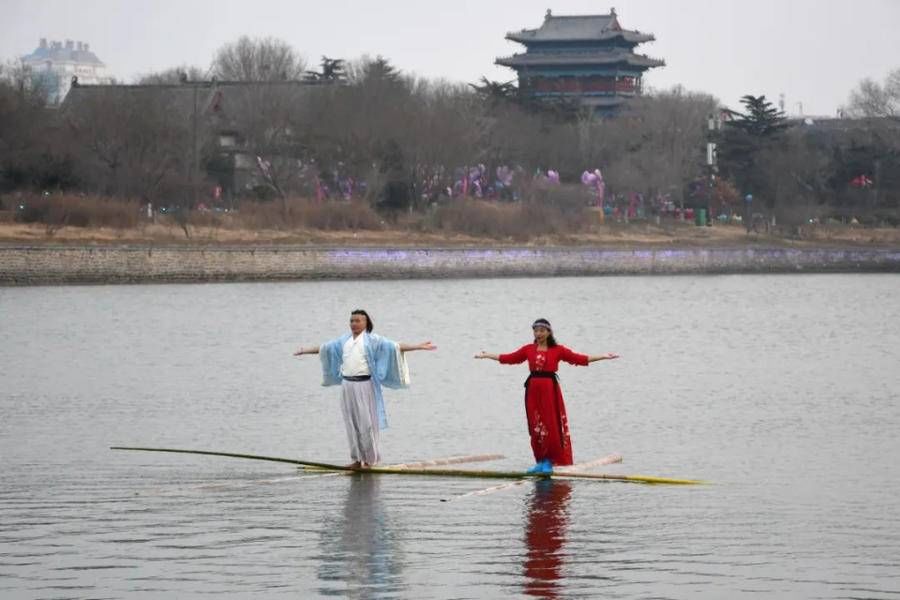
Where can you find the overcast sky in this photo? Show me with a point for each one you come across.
(814, 52)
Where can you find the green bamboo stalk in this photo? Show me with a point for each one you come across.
(427, 472)
(289, 461)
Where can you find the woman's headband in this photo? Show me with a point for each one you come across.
(542, 323)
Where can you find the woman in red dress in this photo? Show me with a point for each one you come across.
(544, 406)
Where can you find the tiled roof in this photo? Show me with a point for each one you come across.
(579, 28)
(598, 57)
(210, 96)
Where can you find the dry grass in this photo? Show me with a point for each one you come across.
(80, 220)
(518, 222)
(298, 213)
(57, 211)
(626, 236)
(853, 234)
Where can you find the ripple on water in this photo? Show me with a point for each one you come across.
(782, 391)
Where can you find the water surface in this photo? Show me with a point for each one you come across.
(782, 390)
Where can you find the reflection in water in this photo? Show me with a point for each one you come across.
(72, 525)
(359, 557)
(545, 536)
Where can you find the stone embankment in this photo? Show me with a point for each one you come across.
(51, 265)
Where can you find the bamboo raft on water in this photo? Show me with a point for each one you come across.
(602, 461)
(415, 469)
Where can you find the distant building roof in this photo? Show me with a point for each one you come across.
(207, 97)
(566, 51)
(599, 57)
(180, 95)
(77, 52)
(577, 28)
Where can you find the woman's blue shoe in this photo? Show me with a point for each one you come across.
(542, 467)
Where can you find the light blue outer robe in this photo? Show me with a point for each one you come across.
(387, 366)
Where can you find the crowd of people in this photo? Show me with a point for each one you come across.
(507, 183)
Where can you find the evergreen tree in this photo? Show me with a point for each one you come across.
(495, 92)
(378, 71)
(332, 71)
(745, 141)
(761, 119)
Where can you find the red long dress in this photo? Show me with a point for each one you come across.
(548, 425)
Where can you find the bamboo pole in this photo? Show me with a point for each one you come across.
(597, 462)
(603, 460)
(437, 462)
(289, 461)
(319, 465)
(427, 472)
(630, 478)
(450, 460)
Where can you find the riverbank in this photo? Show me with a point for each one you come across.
(670, 233)
(57, 264)
(29, 256)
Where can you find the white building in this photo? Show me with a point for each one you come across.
(54, 65)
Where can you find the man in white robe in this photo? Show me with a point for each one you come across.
(363, 362)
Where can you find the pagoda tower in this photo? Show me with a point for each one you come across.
(588, 58)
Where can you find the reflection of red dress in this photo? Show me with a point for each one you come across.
(545, 536)
(544, 406)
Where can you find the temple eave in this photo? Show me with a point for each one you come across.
(526, 61)
(529, 36)
(598, 96)
(589, 59)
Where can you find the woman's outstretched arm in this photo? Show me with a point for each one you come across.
(513, 358)
(607, 356)
(422, 346)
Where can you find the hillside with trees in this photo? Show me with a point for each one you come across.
(262, 139)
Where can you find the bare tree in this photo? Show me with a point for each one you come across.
(443, 133)
(658, 147)
(796, 170)
(364, 127)
(258, 59)
(872, 99)
(31, 151)
(182, 74)
(136, 141)
(266, 115)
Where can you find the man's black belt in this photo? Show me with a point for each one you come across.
(357, 377)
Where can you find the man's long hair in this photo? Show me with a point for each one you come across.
(369, 325)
